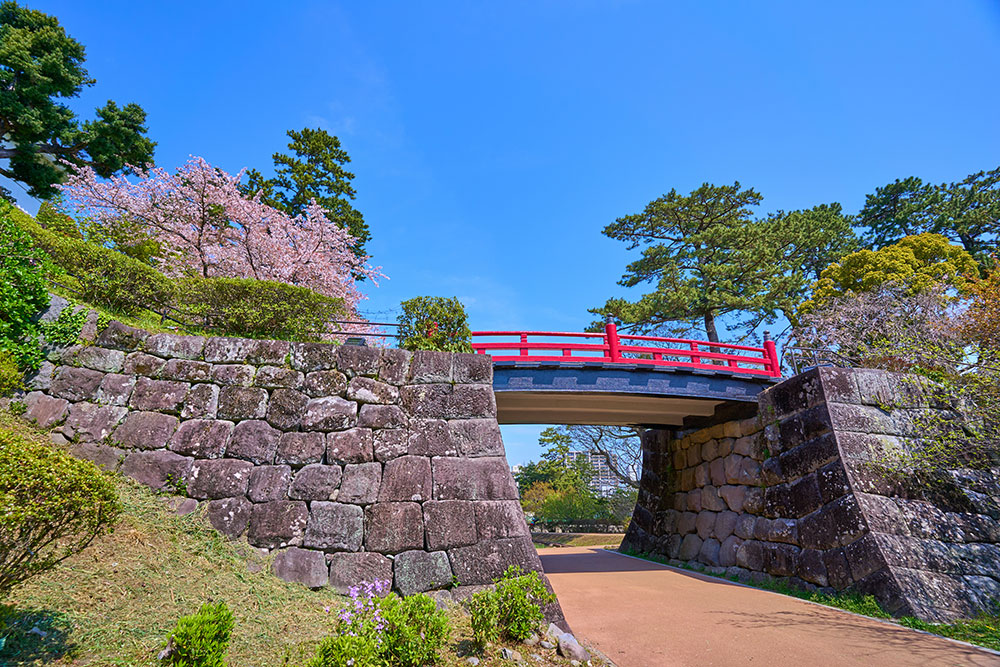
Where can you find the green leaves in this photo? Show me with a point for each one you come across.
(202, 639)
(512, 610)
(434, 323)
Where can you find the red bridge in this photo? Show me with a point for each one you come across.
(612, 347)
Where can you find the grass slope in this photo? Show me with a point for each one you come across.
(115, 603)
(577, 539)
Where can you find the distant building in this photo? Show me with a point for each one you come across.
(605, 482)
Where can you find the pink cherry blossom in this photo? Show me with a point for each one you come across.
(212, 229)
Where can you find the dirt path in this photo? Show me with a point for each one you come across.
(642, 614)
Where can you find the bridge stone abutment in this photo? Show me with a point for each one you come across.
(349, 463)
(792, 494)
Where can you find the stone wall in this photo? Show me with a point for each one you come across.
(351, 463)
(790, 494)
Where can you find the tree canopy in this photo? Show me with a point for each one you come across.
(709, 258)
(40, 65)
(315, 171)
(914, 264)
(966, 212)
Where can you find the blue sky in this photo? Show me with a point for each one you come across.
(493, 141)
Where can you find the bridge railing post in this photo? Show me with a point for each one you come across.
(611, 333)
(771, 352)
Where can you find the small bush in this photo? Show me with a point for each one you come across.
(11, 378)
(513, 610)
(256, 308)
(23, 290)
(348, 651)
(51, 506)
(434, 323)
(415, 630)
(202, 639)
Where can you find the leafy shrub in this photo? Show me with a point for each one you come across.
(202, 639)
(103, 277)
(65, 329)
(11, 378)
(415, 630)
(512, 610)
(22, 286)
(51, 506)
(434, 323)
(256, 308)
(401, 632)
(348, 651)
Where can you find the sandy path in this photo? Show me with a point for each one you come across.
(642, 614)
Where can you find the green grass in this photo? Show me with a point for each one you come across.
(984, 630)
(115, 603)
(543, 540)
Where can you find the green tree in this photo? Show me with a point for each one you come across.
(709, 258)
(556, 468)
(915, 263)
(39, 66)
(966, 212)
(314, 171)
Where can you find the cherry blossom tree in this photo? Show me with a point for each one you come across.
(209, 228)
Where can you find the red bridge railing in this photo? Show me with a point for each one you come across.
(612, 347)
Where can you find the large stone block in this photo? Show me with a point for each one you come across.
(734, 497)
(352, 446)
(836, 524)
(472, 479)
(389, 443)
(711, 500)
(864, 556)
(367, 390)
(314, 356)
(426, 400)
(406, 478)
(472, 369)
(202, 402)
(278, 524)
(157, 470)
(238, 403)
(103, 456)
(725, 524)
(301, 566)
(430, 366)
(349, 569)
(419, 571)
(118, 336)
(244, 350)
(484, 562)
(391, 528)
(705, 524)
(269, 483)
(316, 481)
(361, 483)
(158, 395)
(468, 401)
(325, 383)
(394, 365)
(330, 413)
(140, 363)
(175, 346)
(690, 547)
(115, 389)
(381, 416)
(76, 384)
(145, 430)
(100, 359)
(229, 516)
(277, 377)
(727, 551)
(218, 478)
(450, 523)
(809, 456)
(476, 437)
(254, 441)
(240, 375)
(286, 408)
(335, 527)
(431, 437)
(45, 410)
(499, 518)
(88, 422)
(709, 552)
(186, 370)
(202, 438)
(299, 449)
(358, 360)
